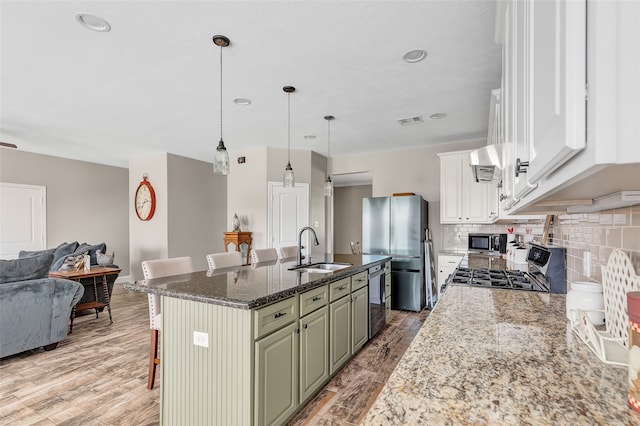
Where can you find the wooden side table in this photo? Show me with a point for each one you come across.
(95, 273)
(242, 241)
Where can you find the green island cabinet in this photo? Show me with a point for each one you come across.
(257, 367)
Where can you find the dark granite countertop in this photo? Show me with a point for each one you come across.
(252, 286)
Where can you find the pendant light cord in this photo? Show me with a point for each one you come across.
(289, 128)
(220, 92)
(329, 148)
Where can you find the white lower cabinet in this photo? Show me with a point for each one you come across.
(446, 265)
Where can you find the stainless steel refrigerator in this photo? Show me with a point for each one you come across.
(396, 226)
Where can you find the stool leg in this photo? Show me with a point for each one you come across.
(153, 358)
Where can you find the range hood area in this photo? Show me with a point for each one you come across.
(486, 163)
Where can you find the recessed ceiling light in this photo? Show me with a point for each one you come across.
(437, 115)
(310, 136)
(92, 22)
(242, 101)
(415, 55)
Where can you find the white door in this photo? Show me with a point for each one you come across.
(22, 219)
(288, 213)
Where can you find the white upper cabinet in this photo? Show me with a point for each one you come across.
(557, 83)
(570, 103)
(462, 199)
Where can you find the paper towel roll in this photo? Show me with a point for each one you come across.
(520, 255)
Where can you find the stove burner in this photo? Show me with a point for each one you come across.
(495, 278)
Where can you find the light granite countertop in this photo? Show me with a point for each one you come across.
(501, 357)
(253, 286)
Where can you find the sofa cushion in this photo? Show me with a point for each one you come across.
(60, 252)
(84, 247)
(26, 268)
(27, 253)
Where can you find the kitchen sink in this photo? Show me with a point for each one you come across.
(321, 267)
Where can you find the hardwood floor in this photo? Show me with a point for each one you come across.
(98, 375)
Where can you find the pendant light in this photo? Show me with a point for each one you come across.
(328, 185)
(288, 179)
(221, 158)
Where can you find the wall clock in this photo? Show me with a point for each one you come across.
(145, 200)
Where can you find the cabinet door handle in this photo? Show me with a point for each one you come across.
(521, 166)
(305, 326)
(279, 314)
(316, 298)
(341, 288)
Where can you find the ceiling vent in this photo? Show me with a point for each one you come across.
(410, 120)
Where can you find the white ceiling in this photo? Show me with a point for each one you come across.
(151, 84)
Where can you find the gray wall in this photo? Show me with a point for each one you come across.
(86, 202)
(347, 213)
(197, 209)
(190, 217)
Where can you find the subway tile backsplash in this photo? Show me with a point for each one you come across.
(597, 234)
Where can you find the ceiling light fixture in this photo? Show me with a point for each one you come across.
(92, 22)
(328, 185)
(437, 115)
(414, 56)
(242, 101)
(411, 120)
(221, 157)
(288, 179)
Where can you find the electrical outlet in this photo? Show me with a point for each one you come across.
(316, 224)
(201, 339)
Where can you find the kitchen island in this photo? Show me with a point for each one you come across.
(501, 357)
(249, 345)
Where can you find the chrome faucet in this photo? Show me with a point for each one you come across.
(315, 243)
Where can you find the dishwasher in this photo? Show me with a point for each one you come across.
(377, 313)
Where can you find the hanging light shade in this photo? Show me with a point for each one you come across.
(328, 184)
(289, 180)
(221, 158)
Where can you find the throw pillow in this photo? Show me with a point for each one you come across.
(26, 268)
(84, 247)
(27, 253)
(60, 252)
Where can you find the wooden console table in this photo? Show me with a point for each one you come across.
(95, 273)
(239, 239)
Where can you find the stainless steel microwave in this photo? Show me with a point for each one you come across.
(488, 242)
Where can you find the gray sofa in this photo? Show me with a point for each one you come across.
(62, 251)
(34, 310)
